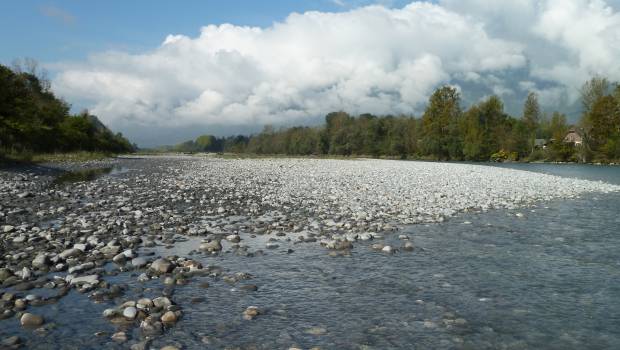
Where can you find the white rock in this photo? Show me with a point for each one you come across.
(90, 279)
(130, 312)
(387, 249)
(70, 253)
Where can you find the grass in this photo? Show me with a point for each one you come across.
(271, 156)
(26, 157)
(70, 157)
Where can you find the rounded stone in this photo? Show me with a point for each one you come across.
(161, 266)
(130, 312)
(251, 312)
(31, 320)
(169, 317)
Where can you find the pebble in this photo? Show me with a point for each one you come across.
(31, 320)
(139, 262)
(249, 287)
(316, 331)
(251, 312)
(212, 246)
(90, 279)
(170, 347)
(144, 303)
(41, 260)
(169, 317)
(130, 313)
(143, 345)
(161, 266)
(408, 246)
(233, 238)
(11, 342)
(162, 302)
(119, 337)
(70, 253)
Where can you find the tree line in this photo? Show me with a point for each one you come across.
(33, 119)
(446, 131)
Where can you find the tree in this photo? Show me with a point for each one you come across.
(338, 133)
(440, 124)
(531, 113)
(486, 129)
(473, 139)
(33, 119)
(604, 119)
(207, 143)
(592, 91)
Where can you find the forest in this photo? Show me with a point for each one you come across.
(447, 131)
(34, 120)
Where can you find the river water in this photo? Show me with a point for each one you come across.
(547, 276)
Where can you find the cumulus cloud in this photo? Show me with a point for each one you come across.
(565, 41)
(370, 59)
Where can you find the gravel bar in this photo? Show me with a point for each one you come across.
(65, 235)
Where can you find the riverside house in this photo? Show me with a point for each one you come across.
(574, 137)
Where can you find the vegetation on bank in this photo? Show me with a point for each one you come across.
(34, 123)
(447, 132)
(30, 157)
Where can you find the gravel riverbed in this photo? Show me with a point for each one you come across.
(64, 232)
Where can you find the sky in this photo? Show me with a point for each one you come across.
(162, 72)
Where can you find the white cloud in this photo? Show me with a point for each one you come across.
(370, 59)
(565, 41)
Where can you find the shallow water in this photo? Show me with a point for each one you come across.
(548, 279)
(88, 174)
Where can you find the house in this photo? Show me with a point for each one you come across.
(540, 144)
(574, 137)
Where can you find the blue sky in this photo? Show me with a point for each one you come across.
(51, 31)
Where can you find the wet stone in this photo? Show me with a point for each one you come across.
(130, 313)
(251, 312)
(31, 320)
(119, 337)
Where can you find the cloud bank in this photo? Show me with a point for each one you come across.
(370, 59)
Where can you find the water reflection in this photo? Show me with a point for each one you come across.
(85, 175)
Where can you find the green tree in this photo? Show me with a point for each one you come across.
(604, 119)
(33, 119)
(440, 125)
(591, 91)
(531, 112)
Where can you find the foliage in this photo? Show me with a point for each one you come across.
(531, 112)
(440, 125)
(33, 120)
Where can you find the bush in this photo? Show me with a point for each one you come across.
(500, 156)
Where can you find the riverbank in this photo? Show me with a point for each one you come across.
(8, 159)
(114, 244)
